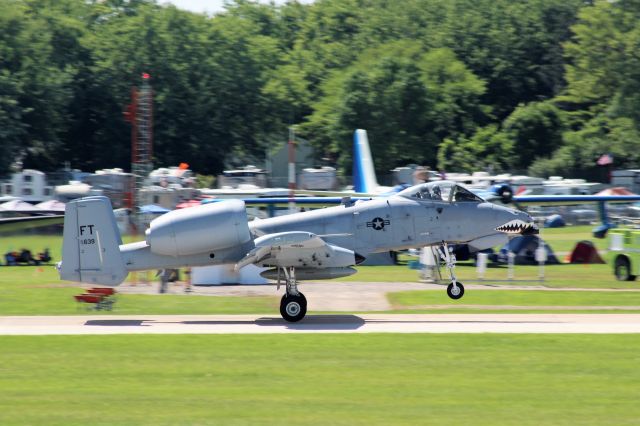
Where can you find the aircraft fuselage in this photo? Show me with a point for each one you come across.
(394, 223)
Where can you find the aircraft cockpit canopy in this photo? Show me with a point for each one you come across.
(444, 191)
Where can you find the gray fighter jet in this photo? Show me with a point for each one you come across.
(319, 244)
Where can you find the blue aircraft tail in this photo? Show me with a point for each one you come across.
(364, 176)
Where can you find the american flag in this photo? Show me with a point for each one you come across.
(605, 160)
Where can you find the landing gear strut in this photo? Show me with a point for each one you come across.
(293, 306)
(164, 280)
(455, 290)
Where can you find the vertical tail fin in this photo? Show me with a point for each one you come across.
(90, 250)
(364, 176)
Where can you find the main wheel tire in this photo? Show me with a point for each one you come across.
(623, 269)
(300, 296)
(457, 292)
(293, 308)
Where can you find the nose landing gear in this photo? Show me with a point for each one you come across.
(455, 290)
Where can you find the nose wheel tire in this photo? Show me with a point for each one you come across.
(455, 292)
(293, 307)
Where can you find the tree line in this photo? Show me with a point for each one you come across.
(539, 86)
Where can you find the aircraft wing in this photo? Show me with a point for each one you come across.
(565, 200)
(20, 223)
(284, 201)
(568, 200)
(388, 191)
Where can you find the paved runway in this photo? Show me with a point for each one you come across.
(366, 323)
(335, 296)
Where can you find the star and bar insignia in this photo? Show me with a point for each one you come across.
(378, 223)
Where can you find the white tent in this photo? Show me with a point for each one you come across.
(52, 206)
(19, 206)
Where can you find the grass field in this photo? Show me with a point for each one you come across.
(565, 239)
(517, 301)
(556, 276)
(320, 379)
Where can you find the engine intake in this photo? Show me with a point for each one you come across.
(200, 229)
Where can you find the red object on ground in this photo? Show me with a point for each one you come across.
(105, 291)
(102, 298)
(89, 298)
(586, 253)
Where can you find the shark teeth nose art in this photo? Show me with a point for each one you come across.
(517, 226)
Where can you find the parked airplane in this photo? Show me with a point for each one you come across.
(14, 224)
(365, 186)
(319, 244)
(599, 231)
(365, 182)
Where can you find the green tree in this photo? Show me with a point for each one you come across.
(417, 74)
(602, 93)
(12, 128)
(407, 99)
(536, 131)
(207, 77)
(488, 149)
(618, 137)
(515, 46)
(603, 68)
(36, 85)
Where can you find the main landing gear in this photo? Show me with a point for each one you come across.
(455, 290)
(293, 306)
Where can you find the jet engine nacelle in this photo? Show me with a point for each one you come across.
(200, 229)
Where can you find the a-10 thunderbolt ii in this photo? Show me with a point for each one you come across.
(313, 245)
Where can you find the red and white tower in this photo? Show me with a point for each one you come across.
(140, 115)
